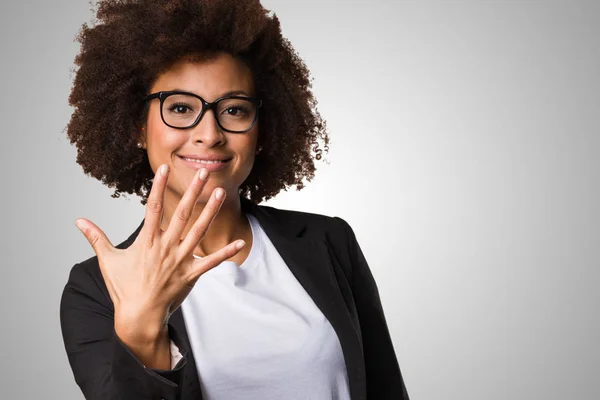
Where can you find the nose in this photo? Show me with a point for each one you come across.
(208, 131)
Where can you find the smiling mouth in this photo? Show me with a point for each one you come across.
(209, 165)
(205, 161)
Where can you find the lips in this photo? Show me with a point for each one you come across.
(205, 158)
(211, 163)
(203, 161)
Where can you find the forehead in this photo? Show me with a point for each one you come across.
(209, 78)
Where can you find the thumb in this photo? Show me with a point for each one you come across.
(94, 235)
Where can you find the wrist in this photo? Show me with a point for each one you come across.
(149, 342)
(142, 328)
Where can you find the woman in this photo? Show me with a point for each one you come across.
(204, 110)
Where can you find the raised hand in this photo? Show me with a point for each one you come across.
(150, 279)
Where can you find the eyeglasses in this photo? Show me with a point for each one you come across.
(183, 110)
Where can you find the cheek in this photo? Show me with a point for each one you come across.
(248, 148)
(252, 140)
(249, 151)
(161, 136)
(169, 140)
(162, 143)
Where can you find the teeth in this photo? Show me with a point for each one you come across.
(202, 161)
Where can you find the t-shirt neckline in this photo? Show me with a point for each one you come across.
(252, 258)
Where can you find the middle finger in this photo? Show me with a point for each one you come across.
(184, 209)
(198, 230)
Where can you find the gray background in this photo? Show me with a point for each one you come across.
(464, 154)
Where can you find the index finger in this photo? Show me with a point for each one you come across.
(155, 203)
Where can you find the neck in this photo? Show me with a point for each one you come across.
(228, 225)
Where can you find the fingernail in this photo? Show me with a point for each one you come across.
(164, 169)
(240, 244)
(219, 194)
(79, 225)
(203, 173)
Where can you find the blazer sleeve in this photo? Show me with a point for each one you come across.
(103, 366)
(384, 379)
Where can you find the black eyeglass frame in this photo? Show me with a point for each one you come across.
(205, 106)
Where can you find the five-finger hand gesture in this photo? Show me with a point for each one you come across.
(150, 279)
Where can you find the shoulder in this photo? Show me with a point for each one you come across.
(86, 277)
(84, 284)
(333, 230)
(286, 215)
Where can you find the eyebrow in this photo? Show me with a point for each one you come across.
(230, 93)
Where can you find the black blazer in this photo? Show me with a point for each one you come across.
(324, 256)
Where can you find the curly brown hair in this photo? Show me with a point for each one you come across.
(133, 41)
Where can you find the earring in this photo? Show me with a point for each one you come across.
(259, 149)
(139, 144)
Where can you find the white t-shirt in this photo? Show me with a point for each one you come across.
(256, 334)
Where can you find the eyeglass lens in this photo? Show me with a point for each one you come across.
(181, 111)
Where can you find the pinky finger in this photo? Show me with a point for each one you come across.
(204, 264)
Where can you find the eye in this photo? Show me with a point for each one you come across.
(235, 111)
(180, 108)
